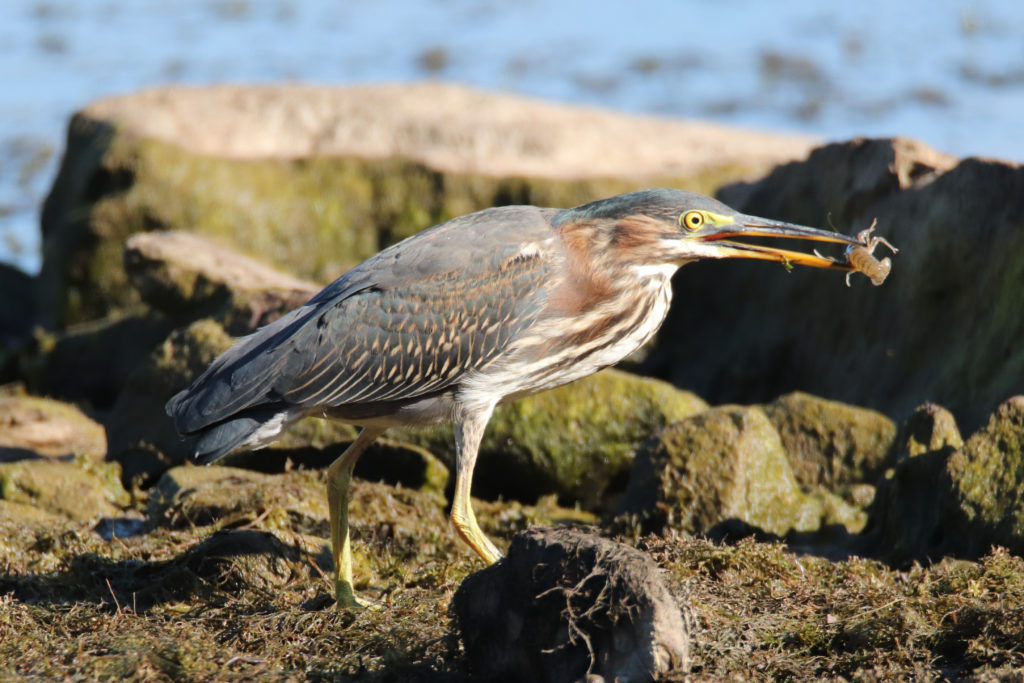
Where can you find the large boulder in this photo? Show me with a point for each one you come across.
(315, 179)
(829, 443)
(723, 470)
(944, 327)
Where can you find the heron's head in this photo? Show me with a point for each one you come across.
(664, 229)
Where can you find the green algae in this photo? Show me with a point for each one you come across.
(724, 464)
(81, 490)
(831, 443)
(989, 473)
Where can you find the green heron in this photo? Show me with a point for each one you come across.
(465, 315)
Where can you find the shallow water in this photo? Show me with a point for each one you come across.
(949, 73)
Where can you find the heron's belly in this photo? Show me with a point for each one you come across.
(570, 350)
(425, 410)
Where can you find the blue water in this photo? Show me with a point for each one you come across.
(949, 73)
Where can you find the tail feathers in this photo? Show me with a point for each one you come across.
(252, 429)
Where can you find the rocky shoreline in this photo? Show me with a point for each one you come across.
(760, 531)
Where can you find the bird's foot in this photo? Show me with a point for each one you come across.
(346, 598)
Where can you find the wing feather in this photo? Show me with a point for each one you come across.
(408, 322)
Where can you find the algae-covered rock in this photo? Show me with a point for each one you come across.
(945, 326)
(316, 179)
(946, 497)
(914, 515)
(80, 490)
(577, 441)
(989, 476)
(830, 443)
(930, 428)
(31, 426)
(187, 275)
(198, 496)
(726, 464)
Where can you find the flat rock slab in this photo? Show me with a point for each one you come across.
(565, 605)
(83, 493)
(33, 427)
(447, 127)
(177, 271)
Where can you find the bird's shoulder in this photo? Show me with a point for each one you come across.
(487, 243)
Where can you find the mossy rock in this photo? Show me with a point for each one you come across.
(929, 429)
(82, 491)
(726, 465)
(360, 168)
(577, 441)
(832, 444)
(989, 475)
(31, 426)
(945, 497)
(198, 496)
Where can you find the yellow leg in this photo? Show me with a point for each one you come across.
(339, 477)
(469, 430)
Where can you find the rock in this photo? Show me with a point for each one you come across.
(21, 527)
(16, 307)
(721, 466)
(234, 561)
(402, 464)
(33, 427)
(945, 497)
(577, 441)
(186, 275)
(989, 476)
(830, 443)
(197, 496)
(945, 326)
(565, 605)
(79, 491)
(316, 179)
(929, 429)
(90, 363)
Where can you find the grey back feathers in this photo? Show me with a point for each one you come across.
(408, 322)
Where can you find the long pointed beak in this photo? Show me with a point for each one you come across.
(752, 226)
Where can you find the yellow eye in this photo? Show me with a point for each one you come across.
(692, 220)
